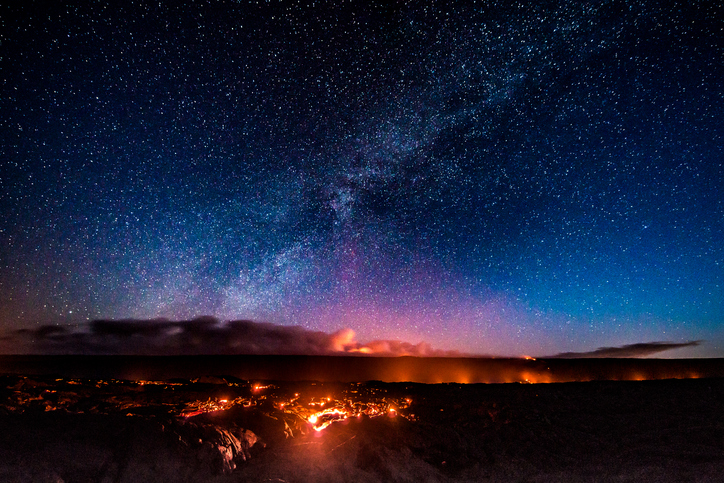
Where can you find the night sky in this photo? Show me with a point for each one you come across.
(493, 178)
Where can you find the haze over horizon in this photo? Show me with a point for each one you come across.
(473, 177)
(209, 336)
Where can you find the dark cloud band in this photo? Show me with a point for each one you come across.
(642, 349)
(207, 335)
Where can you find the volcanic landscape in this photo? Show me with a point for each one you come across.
(595, 424)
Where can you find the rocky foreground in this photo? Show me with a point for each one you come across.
(225, 429)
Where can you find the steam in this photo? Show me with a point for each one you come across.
(641, 349)
(204, 335)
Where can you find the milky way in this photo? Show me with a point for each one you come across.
(493, 178)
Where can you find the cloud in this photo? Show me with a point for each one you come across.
(203, 335)
(641, 349)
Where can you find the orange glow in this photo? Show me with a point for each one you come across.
(343, 408)
(328, 416)
(360, 350)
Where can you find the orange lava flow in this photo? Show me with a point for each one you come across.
(322, 419)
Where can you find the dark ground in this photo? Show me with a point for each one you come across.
(429, 370)
(88, 431)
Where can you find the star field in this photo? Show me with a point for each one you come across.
(495, 178)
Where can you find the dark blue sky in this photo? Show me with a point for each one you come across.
(487, 177)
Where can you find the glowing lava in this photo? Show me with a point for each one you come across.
(322, 419)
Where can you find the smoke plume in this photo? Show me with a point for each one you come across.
(204, 335)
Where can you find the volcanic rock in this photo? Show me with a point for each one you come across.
(94, 431)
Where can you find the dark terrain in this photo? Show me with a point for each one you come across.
(55, 429)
